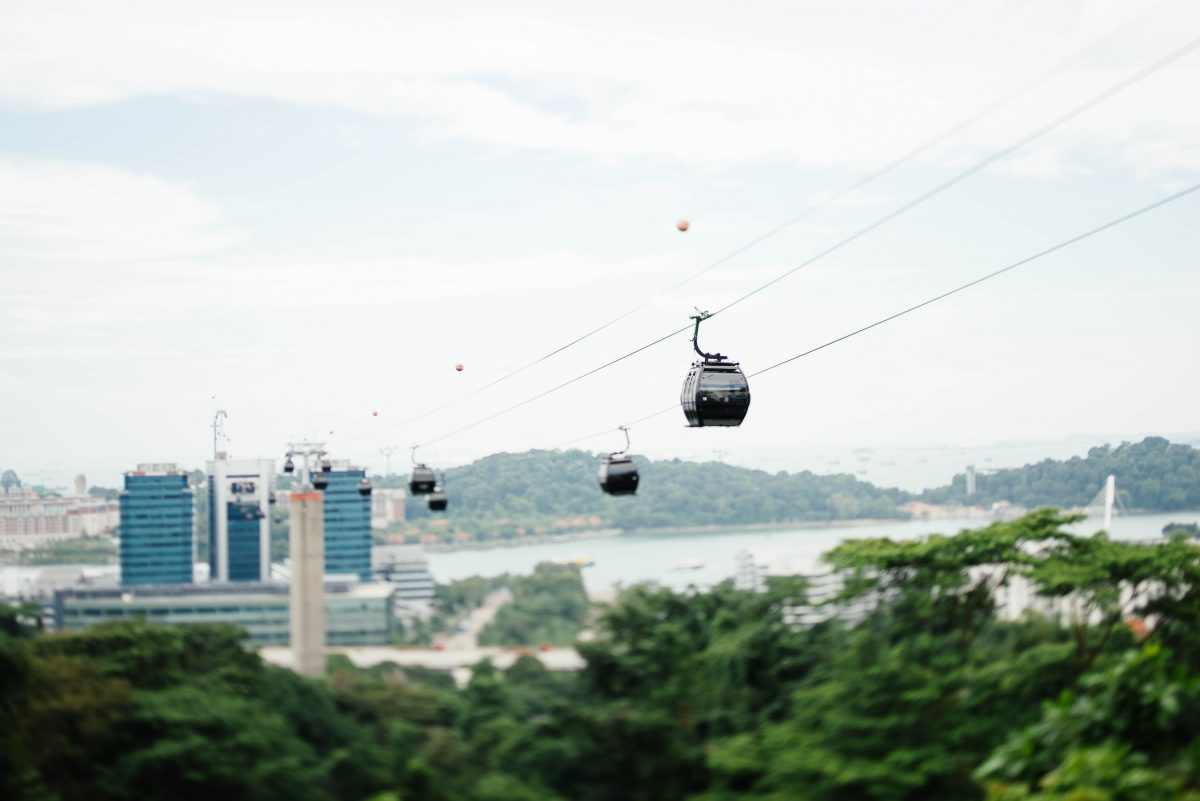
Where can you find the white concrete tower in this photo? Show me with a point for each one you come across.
(307, 592)
(1110, 497)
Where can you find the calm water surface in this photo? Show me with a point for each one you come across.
(659, 557)
(628, 559)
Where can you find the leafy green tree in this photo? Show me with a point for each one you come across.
(548, 606)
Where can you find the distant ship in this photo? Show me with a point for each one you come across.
(687, 564)
(581, 561)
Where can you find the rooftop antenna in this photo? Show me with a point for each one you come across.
(218, 429)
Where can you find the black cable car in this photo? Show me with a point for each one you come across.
(618, 473)
(715, 392)
(423, 479)
(289, 466)
(320, 480)
(437, 499)
(326, 466)
(364, 487)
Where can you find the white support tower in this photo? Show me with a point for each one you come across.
(1104, 503)
(1110, 497)
(307, 591)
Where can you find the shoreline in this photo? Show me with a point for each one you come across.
(664, 531)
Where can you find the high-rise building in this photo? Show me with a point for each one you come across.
(239, 518)
(347, 523)
(156, 526)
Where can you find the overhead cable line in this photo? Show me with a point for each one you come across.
(874, 175)
(994, 274)
(1053, 249)
(979, 166)
(975, 168)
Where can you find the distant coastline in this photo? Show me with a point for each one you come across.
(663, 531)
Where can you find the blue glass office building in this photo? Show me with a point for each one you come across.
(245, 555)
(239, 528)
(156, 526)
(347, 525)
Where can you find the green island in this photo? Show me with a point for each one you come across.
(929, 692)
(518, 496)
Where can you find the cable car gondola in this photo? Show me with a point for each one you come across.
(715, 392)
(320, 480)
(423, 480)
(437, 499)
(364, 487)
(618, 473)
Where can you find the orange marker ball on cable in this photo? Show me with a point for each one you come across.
(682, 225)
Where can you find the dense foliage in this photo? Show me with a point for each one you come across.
(703, 696)
(1152, 475)
(548, 606)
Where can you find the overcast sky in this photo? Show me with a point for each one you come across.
(307, 215)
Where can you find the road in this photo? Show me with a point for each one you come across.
(475, 622)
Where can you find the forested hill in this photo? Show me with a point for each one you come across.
(1152, 475)
(520, 488)
(508, 491)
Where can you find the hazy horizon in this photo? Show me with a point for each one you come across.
(909, 467)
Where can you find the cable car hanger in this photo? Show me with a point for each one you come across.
(625, 431)
(700, 316)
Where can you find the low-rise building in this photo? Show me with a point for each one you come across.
(355, 613)
(387, 507)
(29, 519)
(406, 568)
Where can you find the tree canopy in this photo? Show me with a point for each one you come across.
(939, 693)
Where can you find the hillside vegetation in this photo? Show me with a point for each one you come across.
(508, 491)
(1152, 475)
(512, 494)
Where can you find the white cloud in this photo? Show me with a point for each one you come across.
(51, 211)
(67, 299)
(847, 84)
